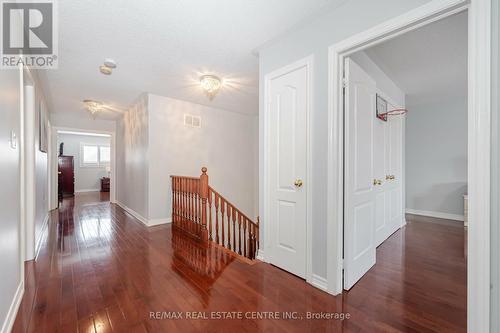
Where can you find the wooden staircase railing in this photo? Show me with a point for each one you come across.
(206, 215)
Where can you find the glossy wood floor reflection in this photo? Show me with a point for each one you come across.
(100, 270)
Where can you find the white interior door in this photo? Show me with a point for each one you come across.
(288, 105)
(393, 186)
(381, 166)
(360, 196)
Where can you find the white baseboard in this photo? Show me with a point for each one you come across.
(145, 221)
(319, 282)
(260, 255)
(133, 213)
(154, 222)
(438, 215)
(14, 307)
(88, 190)
(38, 244)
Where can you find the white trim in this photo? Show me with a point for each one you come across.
(260, 255)
(307, 62)
(133, 213)
(439, 215)
(142, 219)
(88, 190)
(38, 243)
(319, 282)
(479, 113)
(155, 222)
(479, 159)
(85, 133)
(14, 307)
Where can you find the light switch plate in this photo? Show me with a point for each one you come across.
(13, 140)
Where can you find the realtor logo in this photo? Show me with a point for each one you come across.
(29, 34)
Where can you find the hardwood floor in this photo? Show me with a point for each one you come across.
(100, 270)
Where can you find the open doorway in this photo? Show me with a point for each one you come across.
(405, 166)
(409, 165)
(84, 165)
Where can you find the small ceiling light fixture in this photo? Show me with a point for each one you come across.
(109, 63)
(211, 84)
(105, 70)
(93, 106)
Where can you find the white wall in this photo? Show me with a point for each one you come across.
(436, 154)
(132, 158)
(10, 232)
(86, 178)
(314, 38)
(225, 144)
(495, 174)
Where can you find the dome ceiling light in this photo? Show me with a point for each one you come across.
(211, 85)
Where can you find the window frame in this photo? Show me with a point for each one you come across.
(99, 164)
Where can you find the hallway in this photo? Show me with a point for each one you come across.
(100, 270)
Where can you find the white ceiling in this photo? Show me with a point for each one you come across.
(429, 63)
(162, 47)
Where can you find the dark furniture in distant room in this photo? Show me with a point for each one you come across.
(105, 184)
(59, 186)
(67, 175)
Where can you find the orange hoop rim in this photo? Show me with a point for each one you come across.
(394, 112)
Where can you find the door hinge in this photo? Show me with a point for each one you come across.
(344, 82)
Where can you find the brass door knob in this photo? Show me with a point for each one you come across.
(377, 182)
(390, 177)
(298, 183)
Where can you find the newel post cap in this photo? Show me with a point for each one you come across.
(204, 170)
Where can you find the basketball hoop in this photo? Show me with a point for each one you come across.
(395, 112)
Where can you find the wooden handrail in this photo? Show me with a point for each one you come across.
(205, 214)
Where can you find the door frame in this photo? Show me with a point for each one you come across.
(479, 141)
(112, 164)
(307, 62)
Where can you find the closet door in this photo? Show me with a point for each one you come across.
(394, 175)
(381, 167)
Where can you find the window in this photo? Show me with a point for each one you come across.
(93, 155)
(104, 155)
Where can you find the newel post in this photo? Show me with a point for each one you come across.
(204, 197)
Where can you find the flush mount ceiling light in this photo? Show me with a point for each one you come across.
(109, 63)
(105, 70)
(211, 84)
(93, 106)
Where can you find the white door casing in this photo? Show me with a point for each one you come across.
(479, 137)
(288, 105)
(360, 189)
